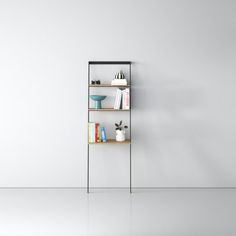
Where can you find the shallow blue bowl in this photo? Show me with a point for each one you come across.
(98, 99)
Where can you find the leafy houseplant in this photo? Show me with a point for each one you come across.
(120, 131)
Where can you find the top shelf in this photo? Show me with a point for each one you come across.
(109, 85)
(109, 62)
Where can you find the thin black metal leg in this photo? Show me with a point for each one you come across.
(88, 133)
(130, 165)
(88, 171)
(130, 152)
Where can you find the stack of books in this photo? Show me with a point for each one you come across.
(122, 99)
(96, 133)
(119, 82)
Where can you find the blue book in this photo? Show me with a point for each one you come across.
(104, 137)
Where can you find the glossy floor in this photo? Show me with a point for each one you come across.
(116, 212)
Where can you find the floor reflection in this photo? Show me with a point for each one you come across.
(116, 212)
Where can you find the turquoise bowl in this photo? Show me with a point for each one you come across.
(98, 99)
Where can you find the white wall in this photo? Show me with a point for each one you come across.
(184, 118)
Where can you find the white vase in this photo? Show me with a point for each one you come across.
(120, 135)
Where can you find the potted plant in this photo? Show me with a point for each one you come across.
(120, 131)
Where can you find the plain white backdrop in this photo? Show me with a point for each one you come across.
(184, 118)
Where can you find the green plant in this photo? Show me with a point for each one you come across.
(120, 126)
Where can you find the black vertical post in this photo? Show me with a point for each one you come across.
(88, 130)
(130, 150)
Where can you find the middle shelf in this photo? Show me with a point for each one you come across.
(107, 109)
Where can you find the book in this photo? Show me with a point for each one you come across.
(96, 133)
(104, 137)
(119, 82)
(91, 132)
(118, 99)
(89, 136)
(99, 134)
(115, 99)
(126, 99)
(123, 99)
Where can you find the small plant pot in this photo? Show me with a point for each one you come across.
(120, 135)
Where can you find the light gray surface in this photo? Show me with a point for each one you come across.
(183, 98)
(73, 212)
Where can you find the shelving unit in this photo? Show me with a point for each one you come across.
(109, 141)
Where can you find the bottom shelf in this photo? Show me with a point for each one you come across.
(113, 141)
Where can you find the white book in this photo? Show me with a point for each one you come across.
(119, 97)
(92, 132)
(119, 82)
(116, 99)
(128, 104)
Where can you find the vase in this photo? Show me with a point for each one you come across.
(98, 99)
(120, 135)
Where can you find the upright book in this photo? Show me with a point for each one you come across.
(125, 99)
(118, 99)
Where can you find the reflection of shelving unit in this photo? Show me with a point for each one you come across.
(108, 85)
(108, 109)
(109, 141)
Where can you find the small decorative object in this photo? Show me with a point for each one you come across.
(98, 99)
(119, 79)
(120, 75)
(120, 132)
(95, 82)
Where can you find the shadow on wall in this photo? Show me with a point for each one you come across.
(169, 121)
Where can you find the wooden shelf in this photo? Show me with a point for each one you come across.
(113, 141)
(108, 86)
(107, 109)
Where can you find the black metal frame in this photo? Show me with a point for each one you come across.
(88, 156)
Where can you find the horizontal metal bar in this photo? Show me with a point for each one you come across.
(109, 62)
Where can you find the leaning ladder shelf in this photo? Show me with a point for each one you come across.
(109, 141)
